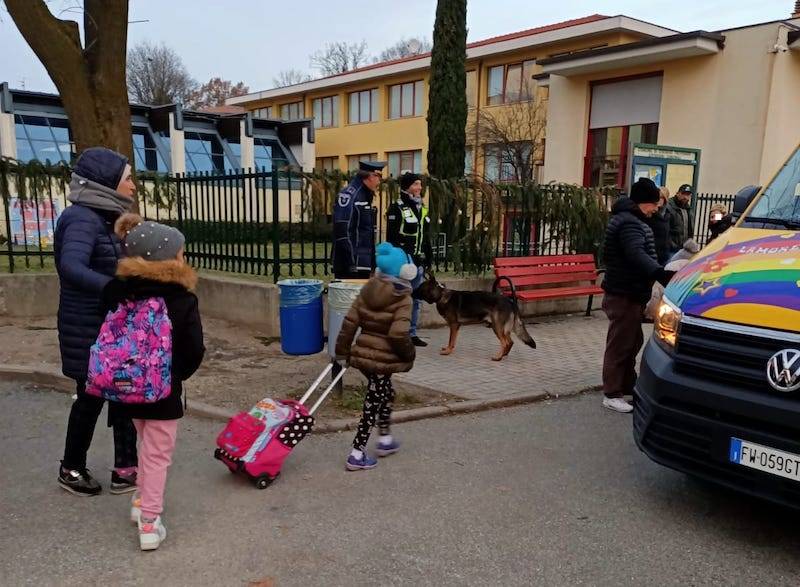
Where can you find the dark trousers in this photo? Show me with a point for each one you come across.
(80, 429)
(623, 342)
(377, 405)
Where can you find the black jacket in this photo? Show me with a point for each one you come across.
(172, 281)
(353, 230)
(408, 227)
(630, 253)
(659, 224)
(86, 252)
(681, 224)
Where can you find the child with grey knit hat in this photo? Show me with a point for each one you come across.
(154, 267)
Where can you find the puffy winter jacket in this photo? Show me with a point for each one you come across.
(383, 312)
(86, 252)
(659, 224)
(629, 253)
(681, 224)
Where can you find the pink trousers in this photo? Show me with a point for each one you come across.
(156, 442)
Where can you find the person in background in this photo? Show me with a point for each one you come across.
(354, 224)
(681, 224)
(631, 269)
(408, 228)
(659, 224)
(719, 221)
(86, 255)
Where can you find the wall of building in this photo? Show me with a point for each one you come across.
(738, 107)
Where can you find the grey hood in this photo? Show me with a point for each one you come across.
(94, 195)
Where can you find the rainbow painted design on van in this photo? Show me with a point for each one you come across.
(747, 276)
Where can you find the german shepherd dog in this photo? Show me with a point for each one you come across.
(475, 307)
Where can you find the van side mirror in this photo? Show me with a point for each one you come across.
(743, 199)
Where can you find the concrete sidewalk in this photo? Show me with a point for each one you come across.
(241, 367)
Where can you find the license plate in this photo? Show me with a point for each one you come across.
(764, 458)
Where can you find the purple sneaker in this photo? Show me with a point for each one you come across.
(384, 450)
(365, 462)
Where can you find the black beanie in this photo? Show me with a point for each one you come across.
(645, 191)
(407, 179)
(102, 166)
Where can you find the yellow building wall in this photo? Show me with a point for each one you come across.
(407, 134)
(739, 107)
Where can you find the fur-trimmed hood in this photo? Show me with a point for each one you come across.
(172, 271)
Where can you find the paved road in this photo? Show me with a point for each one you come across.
(547, 494)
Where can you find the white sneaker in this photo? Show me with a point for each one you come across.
(136, 508)
(151, 534)
(617, 404)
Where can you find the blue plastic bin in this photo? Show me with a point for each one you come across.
(301, 316)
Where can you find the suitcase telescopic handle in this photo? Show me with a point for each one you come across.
(327, 391)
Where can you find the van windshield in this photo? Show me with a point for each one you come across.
(780, 202)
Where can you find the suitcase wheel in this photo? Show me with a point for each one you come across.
(263, 481)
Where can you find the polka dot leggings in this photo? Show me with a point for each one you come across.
(377, 405)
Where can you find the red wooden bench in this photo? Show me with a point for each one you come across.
(547, 277)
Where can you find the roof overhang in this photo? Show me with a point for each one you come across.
(645, 52)
(475, 50)
(793, 40)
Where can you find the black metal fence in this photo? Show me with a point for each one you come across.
(279, 224)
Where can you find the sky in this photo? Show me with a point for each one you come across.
(252, 40)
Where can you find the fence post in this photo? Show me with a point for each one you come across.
(276, 237)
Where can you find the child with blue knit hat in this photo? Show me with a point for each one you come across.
(383, 312)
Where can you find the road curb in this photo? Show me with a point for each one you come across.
(51, 378)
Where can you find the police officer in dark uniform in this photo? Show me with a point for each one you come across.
(408, 227)
(354, 224)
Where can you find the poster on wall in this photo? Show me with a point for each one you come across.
(33, 223)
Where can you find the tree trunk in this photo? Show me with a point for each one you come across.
(447, 99)
(90, 80)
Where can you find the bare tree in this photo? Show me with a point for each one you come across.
(157, 75)
(90, 77)
(340, 57)
(514, 134)
(214, 93)
(290, 77)
(406, 48)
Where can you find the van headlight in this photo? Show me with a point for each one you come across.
(668, 318)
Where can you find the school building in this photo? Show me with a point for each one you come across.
(620, 97)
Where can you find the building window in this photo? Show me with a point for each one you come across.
(326, 112)
(405, 100)
(263, 112)
(472, 88)
(204, 152)
(511, 83)
(327, 164)
(508, 163)
(608, 152)
(267, 152)
(363, 107)
(352, 160)
(402, 161)
(469, 160)
(145, 153)
(293, 111)
(43, 138)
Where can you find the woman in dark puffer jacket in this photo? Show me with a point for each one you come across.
(86, 252)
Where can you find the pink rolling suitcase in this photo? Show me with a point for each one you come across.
(256, 443)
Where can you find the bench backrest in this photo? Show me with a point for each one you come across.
(546, 270)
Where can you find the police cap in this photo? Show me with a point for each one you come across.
(371, 165)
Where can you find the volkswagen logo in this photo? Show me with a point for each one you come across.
(783, 370)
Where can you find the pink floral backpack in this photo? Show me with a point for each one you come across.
(131, 361)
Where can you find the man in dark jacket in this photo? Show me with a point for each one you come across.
(681, 223)
(354, 224)
(408, 228)
(631, 270)
(86, 254)
(659, 224)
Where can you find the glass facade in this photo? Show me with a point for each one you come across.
(43, 138)
(146, 153)
(608, 152)
(204, 152)
(268, 152)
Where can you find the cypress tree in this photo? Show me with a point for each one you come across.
(447, 98)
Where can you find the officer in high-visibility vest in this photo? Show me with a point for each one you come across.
(408, 227)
